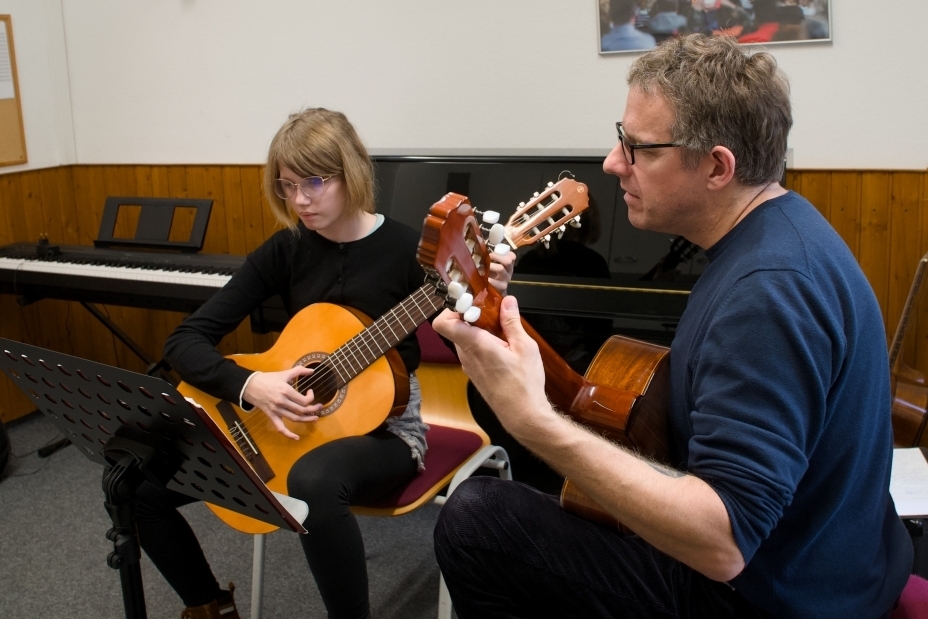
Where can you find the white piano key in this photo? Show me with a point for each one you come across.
(115, 272)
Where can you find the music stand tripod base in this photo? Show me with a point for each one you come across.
(140, 428)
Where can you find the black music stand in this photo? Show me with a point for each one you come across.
(156, 217)
(140, 427)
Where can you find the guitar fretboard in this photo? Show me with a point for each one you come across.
(359, 352)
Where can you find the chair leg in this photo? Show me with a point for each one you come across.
(491, 456)
(444, 599)
(257, 576)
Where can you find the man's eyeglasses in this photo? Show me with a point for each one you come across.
(311, 186)
(629, 149)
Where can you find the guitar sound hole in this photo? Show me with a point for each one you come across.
(326, 381)
(323, 382)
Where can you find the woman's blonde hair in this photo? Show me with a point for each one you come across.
(320, 142)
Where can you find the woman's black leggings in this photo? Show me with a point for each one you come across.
(330, 478)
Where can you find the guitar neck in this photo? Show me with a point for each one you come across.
(355, 355)
(563, 385)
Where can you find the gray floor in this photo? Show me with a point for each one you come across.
(53, 548)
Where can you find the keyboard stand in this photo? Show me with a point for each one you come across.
(153, 231)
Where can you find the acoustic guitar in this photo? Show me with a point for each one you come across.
(909, 392)
(624, 394)
(358, 375)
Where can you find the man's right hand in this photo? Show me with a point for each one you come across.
(273, 394)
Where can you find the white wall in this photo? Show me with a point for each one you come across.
(209, 81)
(42, 73)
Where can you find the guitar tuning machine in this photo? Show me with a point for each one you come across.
(455, 290)
(462, 302)
(575, 222)
(488, 217)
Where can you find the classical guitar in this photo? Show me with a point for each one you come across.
(623, 395)
(909, 392)
(357, 373)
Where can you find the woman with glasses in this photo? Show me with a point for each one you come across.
(335, 249)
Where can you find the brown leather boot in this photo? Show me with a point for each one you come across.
(222, 607)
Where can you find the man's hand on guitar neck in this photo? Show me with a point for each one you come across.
(273, 394)
(501, 270)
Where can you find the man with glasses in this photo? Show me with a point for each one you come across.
(775, 502)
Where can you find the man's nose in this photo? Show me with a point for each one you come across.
(615, 162)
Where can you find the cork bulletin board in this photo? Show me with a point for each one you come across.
(12, 135)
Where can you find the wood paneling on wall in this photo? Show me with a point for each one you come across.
(879, 214)
(67, 204)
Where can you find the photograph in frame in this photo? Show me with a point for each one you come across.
(639, 25)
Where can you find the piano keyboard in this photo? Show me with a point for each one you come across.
(69, 269)
(159, 280)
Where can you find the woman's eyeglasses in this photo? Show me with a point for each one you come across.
(311, 186)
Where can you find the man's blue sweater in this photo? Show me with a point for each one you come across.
(785, 411)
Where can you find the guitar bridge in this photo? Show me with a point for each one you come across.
(245, 444)
(243, 440)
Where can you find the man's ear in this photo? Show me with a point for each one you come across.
(721, 162)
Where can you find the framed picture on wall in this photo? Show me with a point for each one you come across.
(638, 25)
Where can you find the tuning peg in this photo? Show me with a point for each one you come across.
(455, 290)
(546, 239)
(497, 233)
(575, 222)
(501, 249)
(472, 314)
(560, 232)
(550, 184)
(521, 204)
(489, 217)
(464, 303)
(535, 195)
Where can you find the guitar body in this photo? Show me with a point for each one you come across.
(358, 408)
(627, 402)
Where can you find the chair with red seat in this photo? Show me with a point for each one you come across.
(913, 603)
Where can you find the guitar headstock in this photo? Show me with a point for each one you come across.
(454, 249)
(547, 212)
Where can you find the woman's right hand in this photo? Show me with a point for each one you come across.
(273, 394)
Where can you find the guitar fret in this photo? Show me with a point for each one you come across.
(367, 342)
(385, 345)
(391, 328)
(338, 361)
(354, 366)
